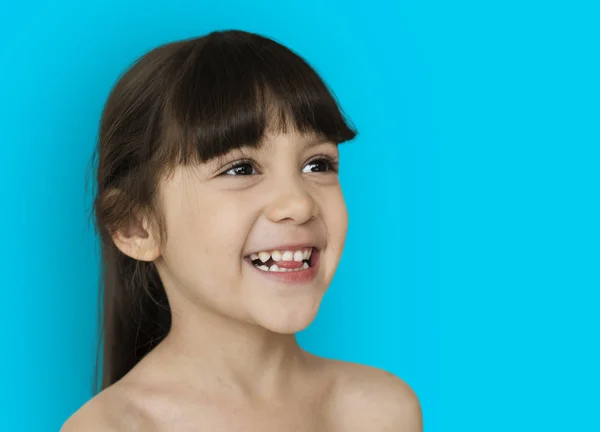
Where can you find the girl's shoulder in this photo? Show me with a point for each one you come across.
(111, 410)
(369, 398)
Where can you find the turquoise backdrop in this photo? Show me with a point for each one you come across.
(472, 262)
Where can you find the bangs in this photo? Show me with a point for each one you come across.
(231, 88)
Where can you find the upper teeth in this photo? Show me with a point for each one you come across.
(287, 255)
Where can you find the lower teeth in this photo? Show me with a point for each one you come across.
(276, 268)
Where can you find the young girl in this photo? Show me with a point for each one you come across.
(222, 223)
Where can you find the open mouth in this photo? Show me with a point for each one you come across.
(282, 261)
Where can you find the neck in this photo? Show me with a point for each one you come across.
(205, 348)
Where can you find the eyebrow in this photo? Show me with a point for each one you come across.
(306, 143)
(317, 141)
(265, 145)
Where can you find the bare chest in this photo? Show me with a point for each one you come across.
(227, 416)
(243, 422)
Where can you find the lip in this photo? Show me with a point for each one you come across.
(288, 247)
(293, 277)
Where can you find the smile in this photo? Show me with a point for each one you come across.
(282, 260)
(293, 265)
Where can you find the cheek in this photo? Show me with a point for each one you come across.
(205, 240)
(187, 247)
(336, 217)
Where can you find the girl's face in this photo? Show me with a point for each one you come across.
(256, 235)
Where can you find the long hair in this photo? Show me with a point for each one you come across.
(184, 102)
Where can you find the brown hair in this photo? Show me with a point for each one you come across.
(184, 102)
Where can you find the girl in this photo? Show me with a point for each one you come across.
(222, 223)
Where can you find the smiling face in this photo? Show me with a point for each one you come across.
(257, 234)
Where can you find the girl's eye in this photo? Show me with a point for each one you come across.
(319, 165)
(241, 169)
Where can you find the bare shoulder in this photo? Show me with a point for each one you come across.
(373, 399)
(112, 410)
(92, 416)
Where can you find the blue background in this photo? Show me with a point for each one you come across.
(471, 267)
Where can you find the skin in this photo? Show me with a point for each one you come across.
(231, 361)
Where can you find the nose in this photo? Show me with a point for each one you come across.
(291, 202)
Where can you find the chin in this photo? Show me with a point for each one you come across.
(287, 321)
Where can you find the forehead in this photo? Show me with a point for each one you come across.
(299, 140)
(277, 143)
(272, 142)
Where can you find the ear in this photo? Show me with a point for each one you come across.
(137, 240)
